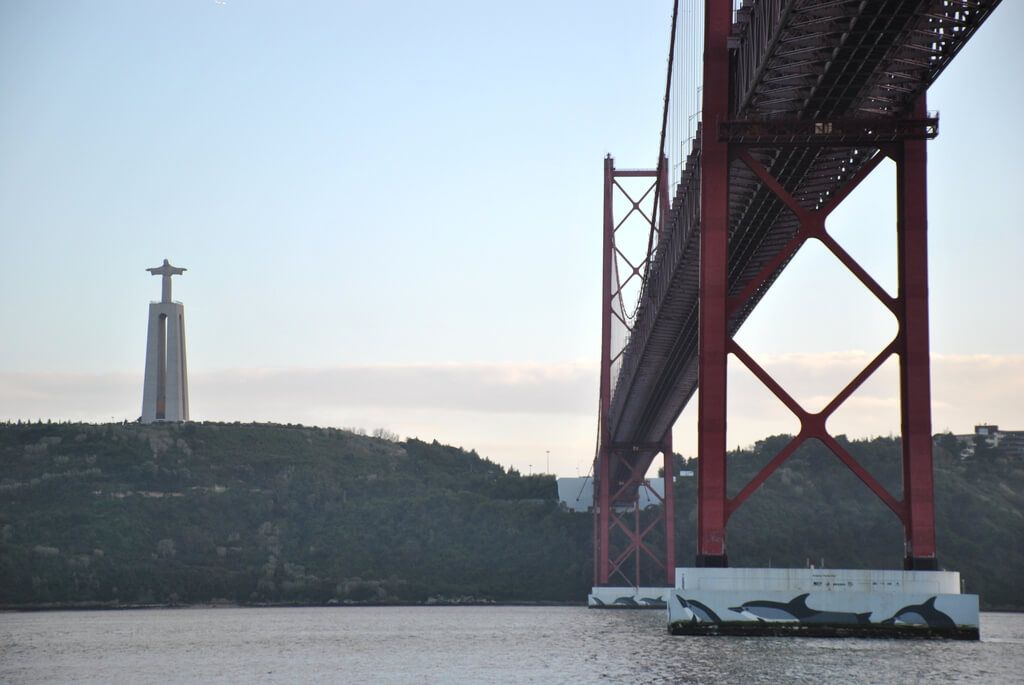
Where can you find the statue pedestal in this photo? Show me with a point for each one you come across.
(165, 388)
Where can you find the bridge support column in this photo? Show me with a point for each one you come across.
(602, 520)
(713, 338)
(627, 552)
(602, 472)
(915, 385)
(669, 511)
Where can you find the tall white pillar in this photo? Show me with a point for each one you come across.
(165, 386)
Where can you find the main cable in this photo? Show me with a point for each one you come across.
(661, 142)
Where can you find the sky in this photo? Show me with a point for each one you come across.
(390, 214)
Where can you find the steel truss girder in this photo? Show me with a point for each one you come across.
(856, 47)
(868, 132)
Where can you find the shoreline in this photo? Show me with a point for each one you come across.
(101, 606)
(108, 606)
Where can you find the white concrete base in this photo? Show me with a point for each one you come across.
(628, 597)
(834, 602)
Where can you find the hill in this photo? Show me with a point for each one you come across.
(123, 514)
(272, 514)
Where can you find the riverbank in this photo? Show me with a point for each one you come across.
(129, 515)
(432, 602)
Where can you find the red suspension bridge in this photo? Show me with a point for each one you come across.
(775, 111)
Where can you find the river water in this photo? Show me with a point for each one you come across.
(466, 645)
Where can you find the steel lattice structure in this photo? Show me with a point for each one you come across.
(801, 100)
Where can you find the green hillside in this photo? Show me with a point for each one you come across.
(259, 513)
(132, 514)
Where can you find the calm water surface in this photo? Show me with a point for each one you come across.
(466, 645)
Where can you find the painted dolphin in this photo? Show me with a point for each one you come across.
(921, 615)
(652, 601)
(626, 602)
(687, 614)
(700, 613)
(796, 609)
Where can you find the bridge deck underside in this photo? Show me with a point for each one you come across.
(793, 59)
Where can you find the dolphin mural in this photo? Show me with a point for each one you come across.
(652, 601)
(797, 610)
(626, 602)
(921, 615)
(699, 613)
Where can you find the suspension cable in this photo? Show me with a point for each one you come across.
(664, 122)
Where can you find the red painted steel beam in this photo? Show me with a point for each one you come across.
(602, 472)
(602, 507)
(668, 504)
(812, 225)
(712, 332)
(813, 425)
(915, 384)
(636, 537)
(635, 203)
(636, 173)
(916, 510)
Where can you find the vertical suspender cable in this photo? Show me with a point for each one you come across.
(664, 119)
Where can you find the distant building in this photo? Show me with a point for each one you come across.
(1007, 442)
(577, 494)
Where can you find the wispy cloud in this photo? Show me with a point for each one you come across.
(567, 388)
(493, 388)
(516, 412)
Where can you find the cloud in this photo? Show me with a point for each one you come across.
(967, 389)
(515, 413)
(566, 388)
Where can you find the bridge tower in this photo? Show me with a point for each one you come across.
(791, 105)
(730, 143)
(625, 551)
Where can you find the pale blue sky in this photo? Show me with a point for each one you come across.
(375, 184)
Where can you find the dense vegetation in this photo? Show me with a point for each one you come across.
(258, 513)
(132, 514)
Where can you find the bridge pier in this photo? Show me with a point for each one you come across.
(713, 336)
(915, 385)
